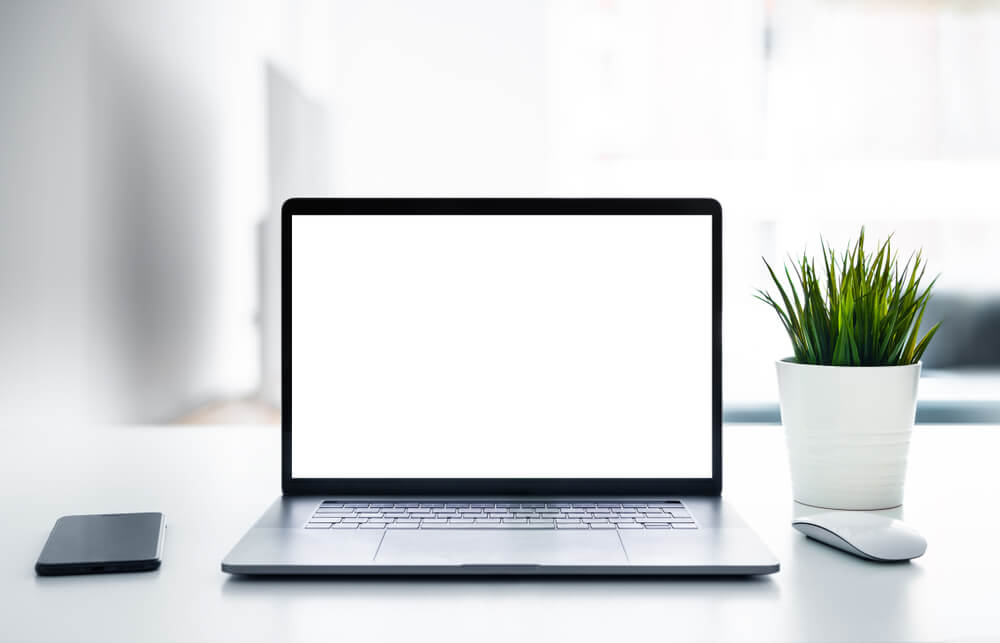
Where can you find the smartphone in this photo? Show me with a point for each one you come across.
(103, 543)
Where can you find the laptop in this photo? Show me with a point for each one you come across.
(501, 386)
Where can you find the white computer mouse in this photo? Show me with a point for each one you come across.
(867, 535)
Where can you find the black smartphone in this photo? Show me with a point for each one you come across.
(103, 543)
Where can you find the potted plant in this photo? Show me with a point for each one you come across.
(848, 395)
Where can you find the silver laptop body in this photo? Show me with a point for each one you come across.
(501, 386)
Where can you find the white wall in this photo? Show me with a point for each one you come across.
(132, 173)
(443, 97)
(178, 143)
(45, 264)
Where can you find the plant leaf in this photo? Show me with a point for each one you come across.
(865, 310)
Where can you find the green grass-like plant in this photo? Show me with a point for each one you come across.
(863, 311)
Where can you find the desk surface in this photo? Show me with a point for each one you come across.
(213, 482)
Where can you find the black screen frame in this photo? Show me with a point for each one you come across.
(298, 207)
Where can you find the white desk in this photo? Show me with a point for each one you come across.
(212, 482)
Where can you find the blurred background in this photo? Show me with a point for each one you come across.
(146, 147)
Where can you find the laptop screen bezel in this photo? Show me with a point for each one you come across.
(298, 207)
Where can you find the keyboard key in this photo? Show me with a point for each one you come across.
(381, 505)
(657, 525)
(435, 505)
(487, 521)
(560, 505)
(406, 504)
(433, 521)
(403, 525)
(602, 525)
(540, 521)
(482, 505)
(345, 525)
(629, 525)
(506, 505)
(369, 514)
(633, 504)
(572, 525)
(457, 505)
(515, 521)
(446, 525)
(533, 505)
(373, 525)
(524, 526)
(356, 504)
(354, 521)
(460, 521)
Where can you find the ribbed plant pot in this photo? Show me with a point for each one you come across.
(848, 432)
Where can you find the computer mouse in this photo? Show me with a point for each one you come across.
(867, 535)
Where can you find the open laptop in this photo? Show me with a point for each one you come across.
(508, 386)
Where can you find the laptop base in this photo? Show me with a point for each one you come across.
(280, 544)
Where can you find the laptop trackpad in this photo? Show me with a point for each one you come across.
(486, 547)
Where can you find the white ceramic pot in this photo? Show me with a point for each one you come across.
(848, 432)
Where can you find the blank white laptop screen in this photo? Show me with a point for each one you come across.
(509, 346)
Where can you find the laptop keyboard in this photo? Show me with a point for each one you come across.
(669, 514)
